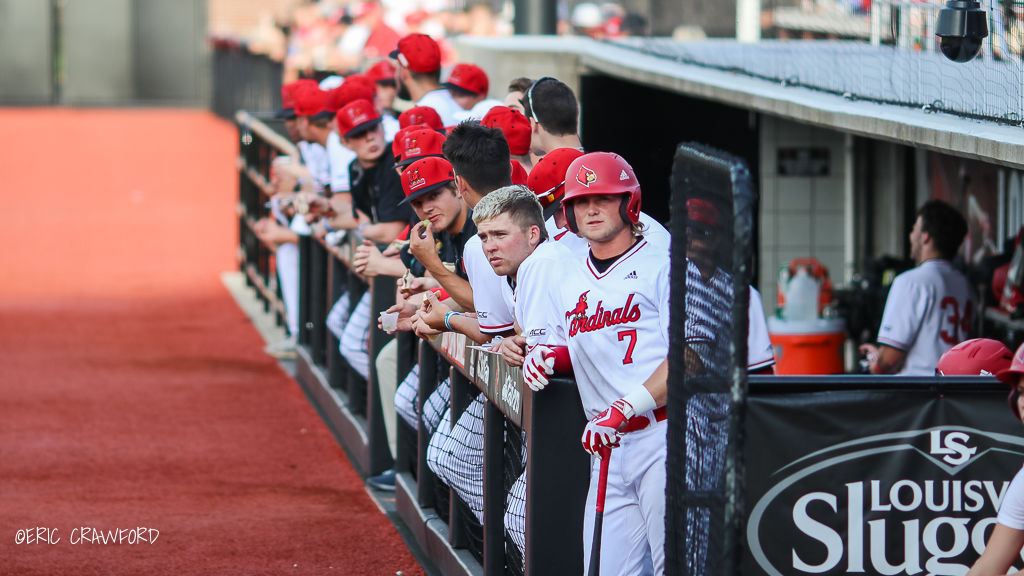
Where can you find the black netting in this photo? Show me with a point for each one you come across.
(888, 55)
(711, 226)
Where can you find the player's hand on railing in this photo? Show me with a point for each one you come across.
(433, 311)
(421, 328)
(603, 430)
(537, 366)
(513, 350)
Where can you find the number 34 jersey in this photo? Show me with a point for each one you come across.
(616, 322)
(928, 311)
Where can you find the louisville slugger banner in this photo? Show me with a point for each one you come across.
(876, 482)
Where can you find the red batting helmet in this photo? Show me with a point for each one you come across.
(1010, 376)
(976, 357)
(601, 173)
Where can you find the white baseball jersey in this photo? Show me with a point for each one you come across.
(759, 344)
(539, 315)
(492, 295)
(616, 322)
(315, 157)
(478, 111)
(929, 310)
(339, 158)
(442, 103)
(391, 127)
(1011, 511)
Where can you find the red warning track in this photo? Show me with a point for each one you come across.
(133, 392)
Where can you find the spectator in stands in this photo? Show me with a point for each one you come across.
(468, 85)
(419, 76)
(554, 115)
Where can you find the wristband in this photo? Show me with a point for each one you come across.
(641, 401)
(448, 319)
(441, 293)
(362, 227)
(327, 226)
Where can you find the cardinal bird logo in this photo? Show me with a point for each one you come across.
(414, 179)
(580, 311)
(586, 176)
(411, 149)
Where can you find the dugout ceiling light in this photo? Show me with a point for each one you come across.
(961, 27)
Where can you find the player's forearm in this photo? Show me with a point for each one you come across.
(382, 232)
(390, 267)
(889, 361)
(657, 384)
(458, 288)
(469, 326)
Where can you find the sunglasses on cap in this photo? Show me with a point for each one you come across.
(529, 96)
(550, 194)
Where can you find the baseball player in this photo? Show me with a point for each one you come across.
(611, 303)
(419, 76)
(929, 308)
(468, 85)
(480, 158)
(1004, 546)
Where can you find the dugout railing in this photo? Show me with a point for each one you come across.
(259, 145)
(439, 519)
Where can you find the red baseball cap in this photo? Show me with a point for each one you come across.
(309, 100)
(396, 144)
(518, 173)
(382, 72)
(418, 142)
(420, 115)
(349, 92)
(425, 175)
(288, 96)
(547, 178)
(419, 53)
(468, 77)
(362, 80)
(357, 116)
(513, 125)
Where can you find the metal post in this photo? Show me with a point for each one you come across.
(494, 491)
(382, 296)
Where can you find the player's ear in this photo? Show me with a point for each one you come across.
(534, 235)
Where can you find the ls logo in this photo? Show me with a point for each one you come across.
(952, 447)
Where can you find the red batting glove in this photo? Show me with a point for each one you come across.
(537, 366)
(602, 432)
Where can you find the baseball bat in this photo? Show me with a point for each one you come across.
(602, 486)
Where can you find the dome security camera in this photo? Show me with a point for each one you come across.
(961, 27)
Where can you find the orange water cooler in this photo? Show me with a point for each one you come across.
(808, 346)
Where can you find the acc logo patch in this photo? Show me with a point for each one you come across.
(586, 176)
